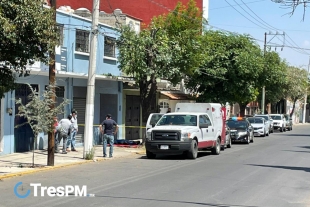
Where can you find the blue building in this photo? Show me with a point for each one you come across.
(72, 61)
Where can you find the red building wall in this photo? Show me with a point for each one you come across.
(142, 9)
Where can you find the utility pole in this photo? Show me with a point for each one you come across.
(263, 92)
(265, 48)
(89, 113)
(306, 96)
(51, 135)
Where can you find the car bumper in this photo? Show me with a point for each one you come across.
(258, 133)
(243, 138)
(168, 147)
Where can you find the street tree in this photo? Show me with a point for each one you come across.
(230, 71)
(273, 78)
(168, 49)
(28, 33)
(296, 86)
(38, 114)
(293, 5)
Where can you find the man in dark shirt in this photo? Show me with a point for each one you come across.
(106, 128)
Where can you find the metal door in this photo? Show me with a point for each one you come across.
(79, 105)
(132, 117)
(23, 135)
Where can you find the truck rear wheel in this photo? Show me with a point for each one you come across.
(150, 155)
(216, 150)
(193, 152)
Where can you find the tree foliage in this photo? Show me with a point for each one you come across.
(167, 49)
(28, 33)
(230, 71)
(37, 111)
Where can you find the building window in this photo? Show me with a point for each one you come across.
(82, 41)
(109, 47)
(60, 29)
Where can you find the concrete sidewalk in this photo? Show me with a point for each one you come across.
(18, 164)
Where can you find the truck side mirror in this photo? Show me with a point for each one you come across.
(153, 125)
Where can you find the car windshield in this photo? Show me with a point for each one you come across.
(155, 118)
(255, 121)
(276, 117)
(265, 117)
(179, 119)
(236, 124)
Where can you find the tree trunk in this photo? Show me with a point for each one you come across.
(242, 109)
(294, 104)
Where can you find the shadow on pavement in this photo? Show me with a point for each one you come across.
(178, 157)
(172, 201)
(296, 151)
(298, 135)
(306, 169)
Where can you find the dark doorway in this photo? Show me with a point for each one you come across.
(132, 118)
(23, 135)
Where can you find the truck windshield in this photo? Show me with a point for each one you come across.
(184, 120)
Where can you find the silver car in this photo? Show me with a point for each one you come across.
(268, 122)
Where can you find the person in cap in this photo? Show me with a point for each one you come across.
(107, 129)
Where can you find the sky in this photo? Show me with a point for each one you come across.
(255, 17)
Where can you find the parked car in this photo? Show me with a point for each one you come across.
(267, 122)
(259, 125)
(228, 137)
(241, 130)
(289, 122)
(279, 122)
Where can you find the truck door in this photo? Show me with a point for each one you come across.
(207, 133)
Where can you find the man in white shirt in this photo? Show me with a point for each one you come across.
(71, 140)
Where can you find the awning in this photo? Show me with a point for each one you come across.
(177, 96)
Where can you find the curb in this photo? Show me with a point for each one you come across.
(46, 168)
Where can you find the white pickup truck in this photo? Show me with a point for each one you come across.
(187, 131)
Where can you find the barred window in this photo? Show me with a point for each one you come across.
(60, 29)
(109, 47)
(82, 41)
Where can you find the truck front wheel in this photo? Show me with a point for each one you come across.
(216, 150)
(193, 152)
(150, 155)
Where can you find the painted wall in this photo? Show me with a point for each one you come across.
(144, 10)
(78, 62)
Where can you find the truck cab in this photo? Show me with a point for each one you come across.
(186, 132)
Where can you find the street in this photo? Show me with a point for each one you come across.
(273, 171)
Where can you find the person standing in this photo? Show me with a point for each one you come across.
(106, 128)
(71, 140)
(64, 130)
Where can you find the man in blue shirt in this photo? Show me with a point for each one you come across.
(106, 128)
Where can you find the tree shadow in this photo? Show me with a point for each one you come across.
(298, 135)
(305, 147)
(296, 151)
(172, 201)
(306, 169)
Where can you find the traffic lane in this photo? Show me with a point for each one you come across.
(243, 175)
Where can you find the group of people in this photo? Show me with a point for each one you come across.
(66, 130)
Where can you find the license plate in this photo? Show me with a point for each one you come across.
(164, 147)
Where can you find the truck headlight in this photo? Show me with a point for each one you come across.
(185, 135)
(149, 135)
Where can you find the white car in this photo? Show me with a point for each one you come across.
(279, 122)
(268, 121)
(259, 125)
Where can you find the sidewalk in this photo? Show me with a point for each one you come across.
(18, 164)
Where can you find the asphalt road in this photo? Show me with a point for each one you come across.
(272, 171)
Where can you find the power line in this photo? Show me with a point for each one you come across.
(236, 5)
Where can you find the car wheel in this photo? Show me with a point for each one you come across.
(192, 153)
(264, 134)
(150, 155)
(229, 144)
(248, 139)
(252, 140)
(267, 134)
(291, 128)
(281, 129)
(216, 150)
